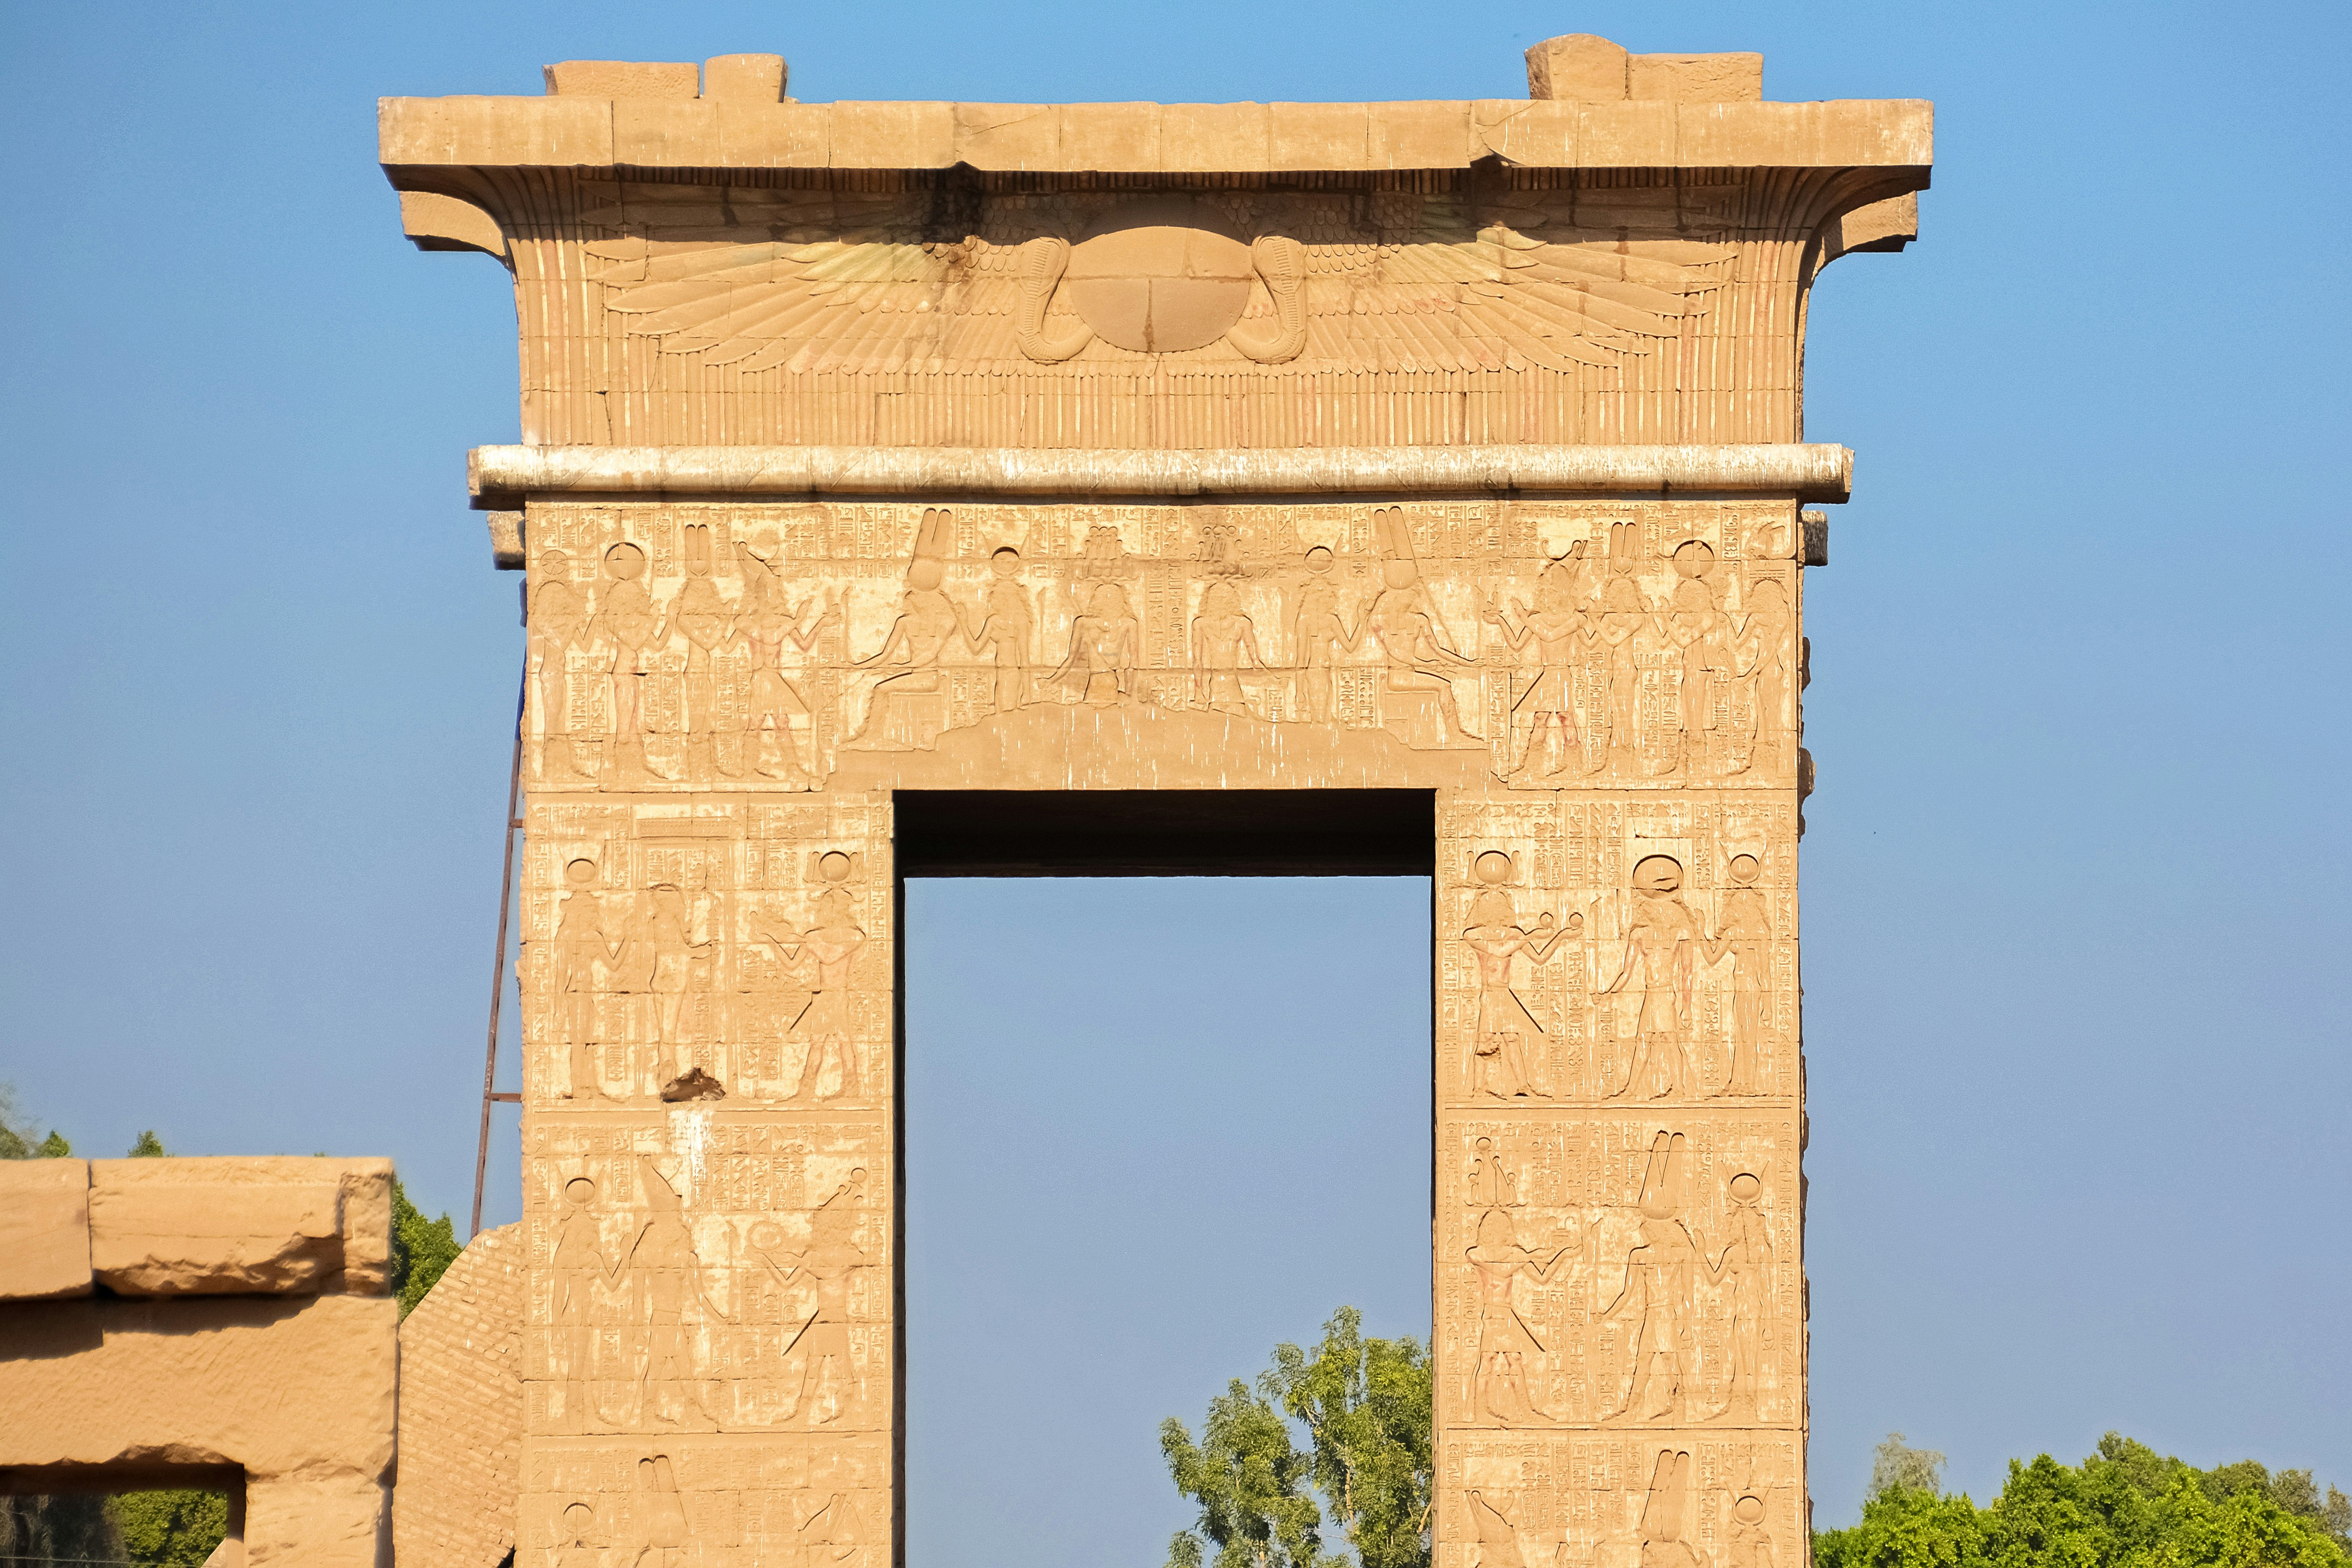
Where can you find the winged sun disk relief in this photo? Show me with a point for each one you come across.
(879, 305)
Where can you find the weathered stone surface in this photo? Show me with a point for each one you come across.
(1464, 459)
(44, 1229)
(297, 1392)
(461, 1409)
(239, 1224)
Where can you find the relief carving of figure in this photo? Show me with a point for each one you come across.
(1663, 1514)
(583, 956)
(1752, 1543)
(628, 620)
(558, 621)
(1545, 711)
(1221, 633)
(904, 711)
(1745, 928)
(1765, 635)
(579, 1272)
(1506, 1343)
(1491, 1184)
(1498, 1061)
(1104, 641)
(681, 988)
(1695, 629)
(1498, 1540)
(829, 1377)
(579, 1543)
(663, 1537)
(665, 1274)
(826, 954)
(1317, 627)
(1625, 617)
(1404, 624)
(770, 625)
(1007, 629)
(1744, 1271)
(1663, 941)
(700, 613)
(832, 1534)
(1659, 1297)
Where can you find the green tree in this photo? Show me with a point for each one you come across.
(422, 1249)
(2126, 1506)
(149, 1146)
(1250, 1483)
(169, 1528)
(1366, 1406)
(17, 1134)
(1897, 1464)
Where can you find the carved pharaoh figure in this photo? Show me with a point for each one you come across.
(558, 621)
(1404, 623)
(1104, 639)
(633, 626)
(1221, 635)
(680, 981)
(1504, 1025)
(1660, 1294)
(772, 627)
(701, 615)
(902, 712)
(1696, 629)
(665, 1275)
(1007, 629)
(1318, 627)
(1545, 712)
(1743, 1271)
(1744, 928)
(1506, 1345)
(827, 954)
(1763, 652)
(584, 957)
(829, 1380)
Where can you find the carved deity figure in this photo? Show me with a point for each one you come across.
(1752, 1543)
(1696, 630)
(584, 957)
(1763, 652)
(1625, 617)
(829, 1377)
(1499, 1059)
(770, 626)
(926, 621)
(1659, 1297)
(1006, 630)
(1506, 1343)
(1743, 1270)
(1745, 928)
(681, 981)
(579, 1272)
(832, 1534)
(1404, 624)
(579, 1543)
(701, 615)
(1498, 1540)
(665, 1275)
(1221, 633)
(1545, 713)
(825, 954)
(1317, 627)
(558, 622)
(634, 627)
(1104, 639)
(1664, 1514)
(1663, 941)
(663, 1539)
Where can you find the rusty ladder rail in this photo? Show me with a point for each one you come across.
(491, 1095)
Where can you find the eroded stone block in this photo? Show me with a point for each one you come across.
(623, 79)
(240, 1226)
(44, 1229)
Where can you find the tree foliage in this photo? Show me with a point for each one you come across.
(169, 1528)
(1898, 1465)
(422, 1249)
(19, 1139)
(1364, 1404)
(2124, 1507)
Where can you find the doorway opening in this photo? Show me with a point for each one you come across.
(1148, 1129)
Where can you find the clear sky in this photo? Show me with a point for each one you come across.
(2076, 905)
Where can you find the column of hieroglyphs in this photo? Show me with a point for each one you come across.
(1318, 530)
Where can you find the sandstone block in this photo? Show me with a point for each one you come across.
(1579, 67)
(1697, 78)
(746, 79)
(240, 1226)
(461, 1412)
(44, 1229)
(623, 79)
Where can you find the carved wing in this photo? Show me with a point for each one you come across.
(830, 305)
(1476, 301)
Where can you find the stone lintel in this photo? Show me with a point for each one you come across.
(502, 478)
(44, 1229)
(420, 136)
(240, 1226)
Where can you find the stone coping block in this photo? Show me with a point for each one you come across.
(44, 1229)
(241, 1224)
(297, 1393)
(573, 130)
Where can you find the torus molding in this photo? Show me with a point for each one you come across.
(502, 477)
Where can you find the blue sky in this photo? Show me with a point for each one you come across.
(2075, 897)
